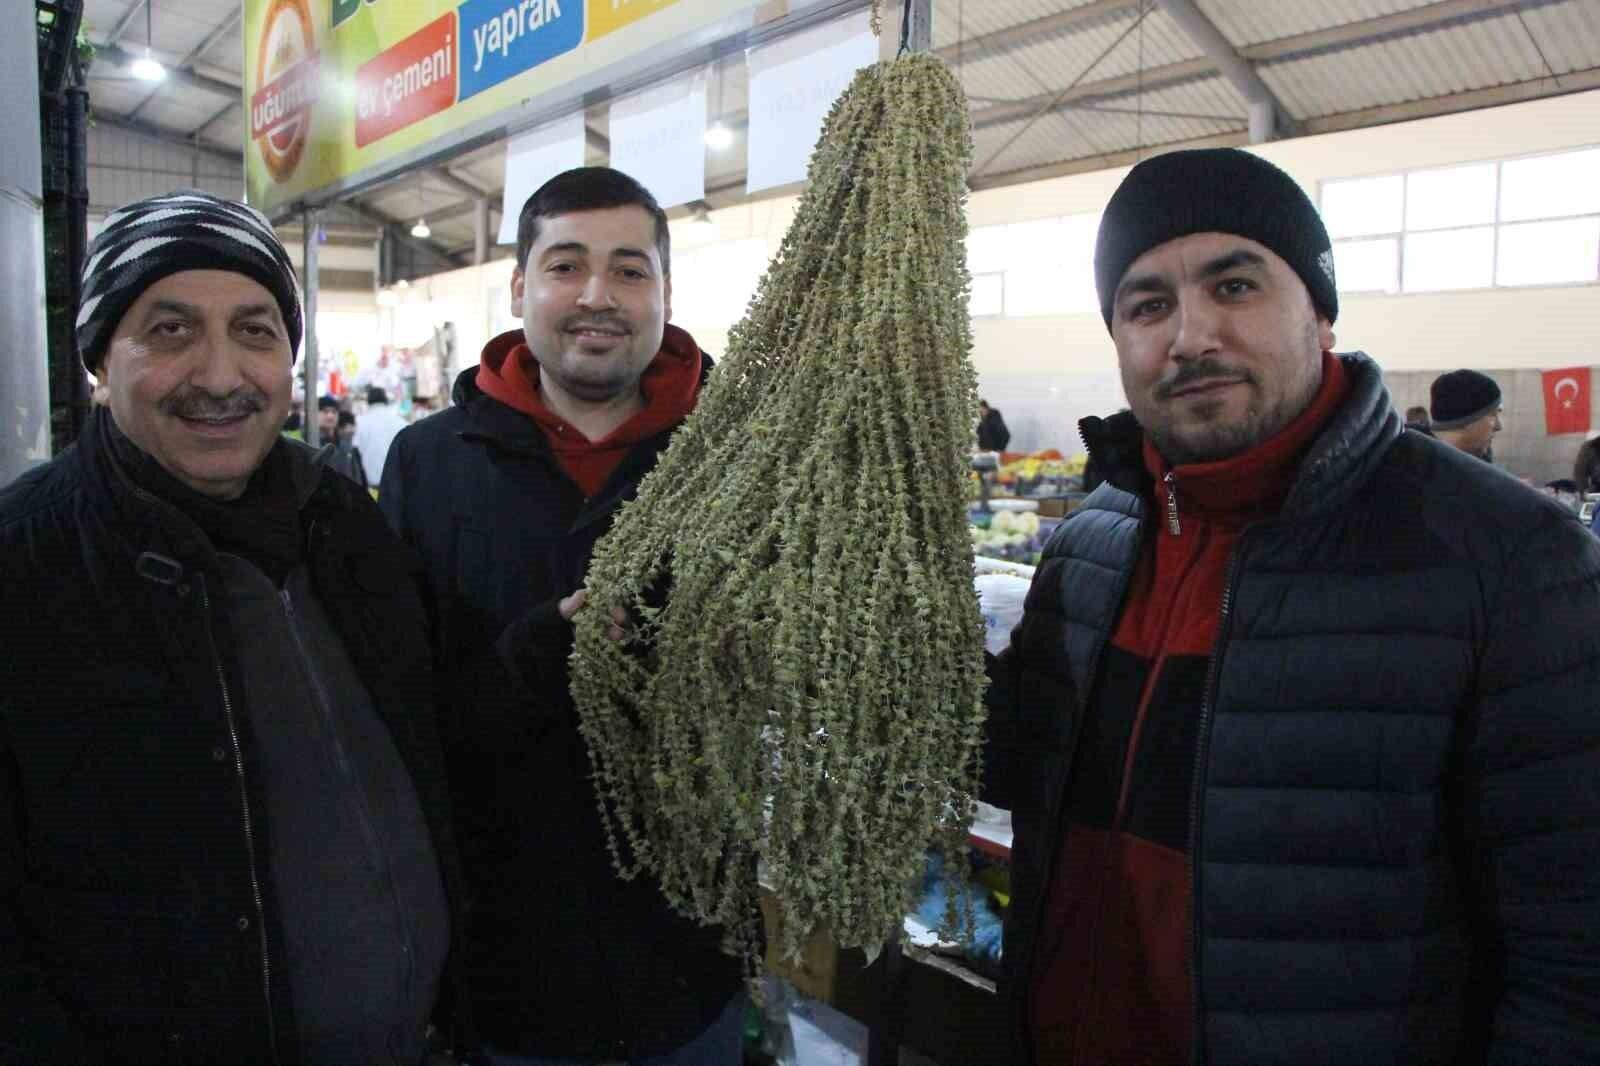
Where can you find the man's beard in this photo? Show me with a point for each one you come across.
(1213, 441)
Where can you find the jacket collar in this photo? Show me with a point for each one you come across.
(1341, 458)
(142, 522)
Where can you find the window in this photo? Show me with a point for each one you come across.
(1532, 221)
(988, 296)
(712, 284)
(1041, 267)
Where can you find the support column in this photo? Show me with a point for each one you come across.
(308, 349)
(480, 231)
(919, 38)
(24, 364)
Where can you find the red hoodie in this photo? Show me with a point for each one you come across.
(1112, 980)
(509, 373)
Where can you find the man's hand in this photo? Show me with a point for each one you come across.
(574, 603)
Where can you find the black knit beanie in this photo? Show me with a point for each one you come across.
(1461, 397)
(186, 230)
(1213, 190)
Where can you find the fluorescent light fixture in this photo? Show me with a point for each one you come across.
(719, 138)
(148, 68)
(421, 231)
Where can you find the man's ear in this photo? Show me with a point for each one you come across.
(518, 281)
(1325, 335)
(666, 299)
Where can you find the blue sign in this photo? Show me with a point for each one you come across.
(502, 38)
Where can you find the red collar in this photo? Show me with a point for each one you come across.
(1255, 483)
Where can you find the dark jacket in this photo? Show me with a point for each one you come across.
(1394, 823)
(993, 436)
(563, 958)
(140, 913)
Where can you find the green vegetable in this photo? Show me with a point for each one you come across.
(806, 686)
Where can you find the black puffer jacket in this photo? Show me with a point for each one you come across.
(563, 959)
(138, 922)
(1396, 817)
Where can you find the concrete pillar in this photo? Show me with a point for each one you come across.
(24, 360)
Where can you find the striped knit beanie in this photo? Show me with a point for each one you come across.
(184, 230)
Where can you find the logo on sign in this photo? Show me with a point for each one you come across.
(502, 38)
(286, 70)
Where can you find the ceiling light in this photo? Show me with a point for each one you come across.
(719, 138)
(148, 68)
(402, 284)
(421, 231)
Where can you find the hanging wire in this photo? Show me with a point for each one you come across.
(905, 29)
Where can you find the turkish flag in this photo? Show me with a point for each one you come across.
(1566, 400)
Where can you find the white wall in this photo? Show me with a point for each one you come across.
(1047, 372)
(124, 167)
(1021, 360)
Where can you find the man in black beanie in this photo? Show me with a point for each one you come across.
(1465, 412)
(222, 814)
(1299, 726)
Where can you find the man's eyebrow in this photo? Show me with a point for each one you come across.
(255, 310)
(173, 307)
(1141, 283)
(1239, 257)
(566, 246)
(1157, 283)
(631, 253)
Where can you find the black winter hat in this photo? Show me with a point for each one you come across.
(1213, 190)
(185, 230)
(1461, 397)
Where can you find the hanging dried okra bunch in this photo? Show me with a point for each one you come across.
(806, 689)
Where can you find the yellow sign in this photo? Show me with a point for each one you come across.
(607, 16)
(339, 92)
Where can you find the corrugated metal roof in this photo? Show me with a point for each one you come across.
(1247, 22)
(956, 20)
(1123, 90)
(1490, 52)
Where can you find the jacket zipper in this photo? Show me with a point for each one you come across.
(1197, 793)
(249, 823)
(1025, 976)
(1171, 482)
(325, 706)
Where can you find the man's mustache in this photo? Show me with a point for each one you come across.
(613, 323)
(1200, 370)
(199, 404)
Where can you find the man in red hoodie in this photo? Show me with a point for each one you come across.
(504, 496)
(1300, 726)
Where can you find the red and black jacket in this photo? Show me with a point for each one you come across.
(1319, 807)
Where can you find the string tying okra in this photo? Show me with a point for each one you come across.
(806, 684)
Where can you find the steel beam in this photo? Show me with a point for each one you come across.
(186, 63)
(1267, 113)
(1033, 31)
(181, 77)
(125, 21)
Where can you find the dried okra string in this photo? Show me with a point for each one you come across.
(806, 689)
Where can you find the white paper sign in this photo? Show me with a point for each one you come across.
(533, 159)
(793, 83)
(658, 138)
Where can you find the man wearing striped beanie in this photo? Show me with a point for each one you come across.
(222, 819)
